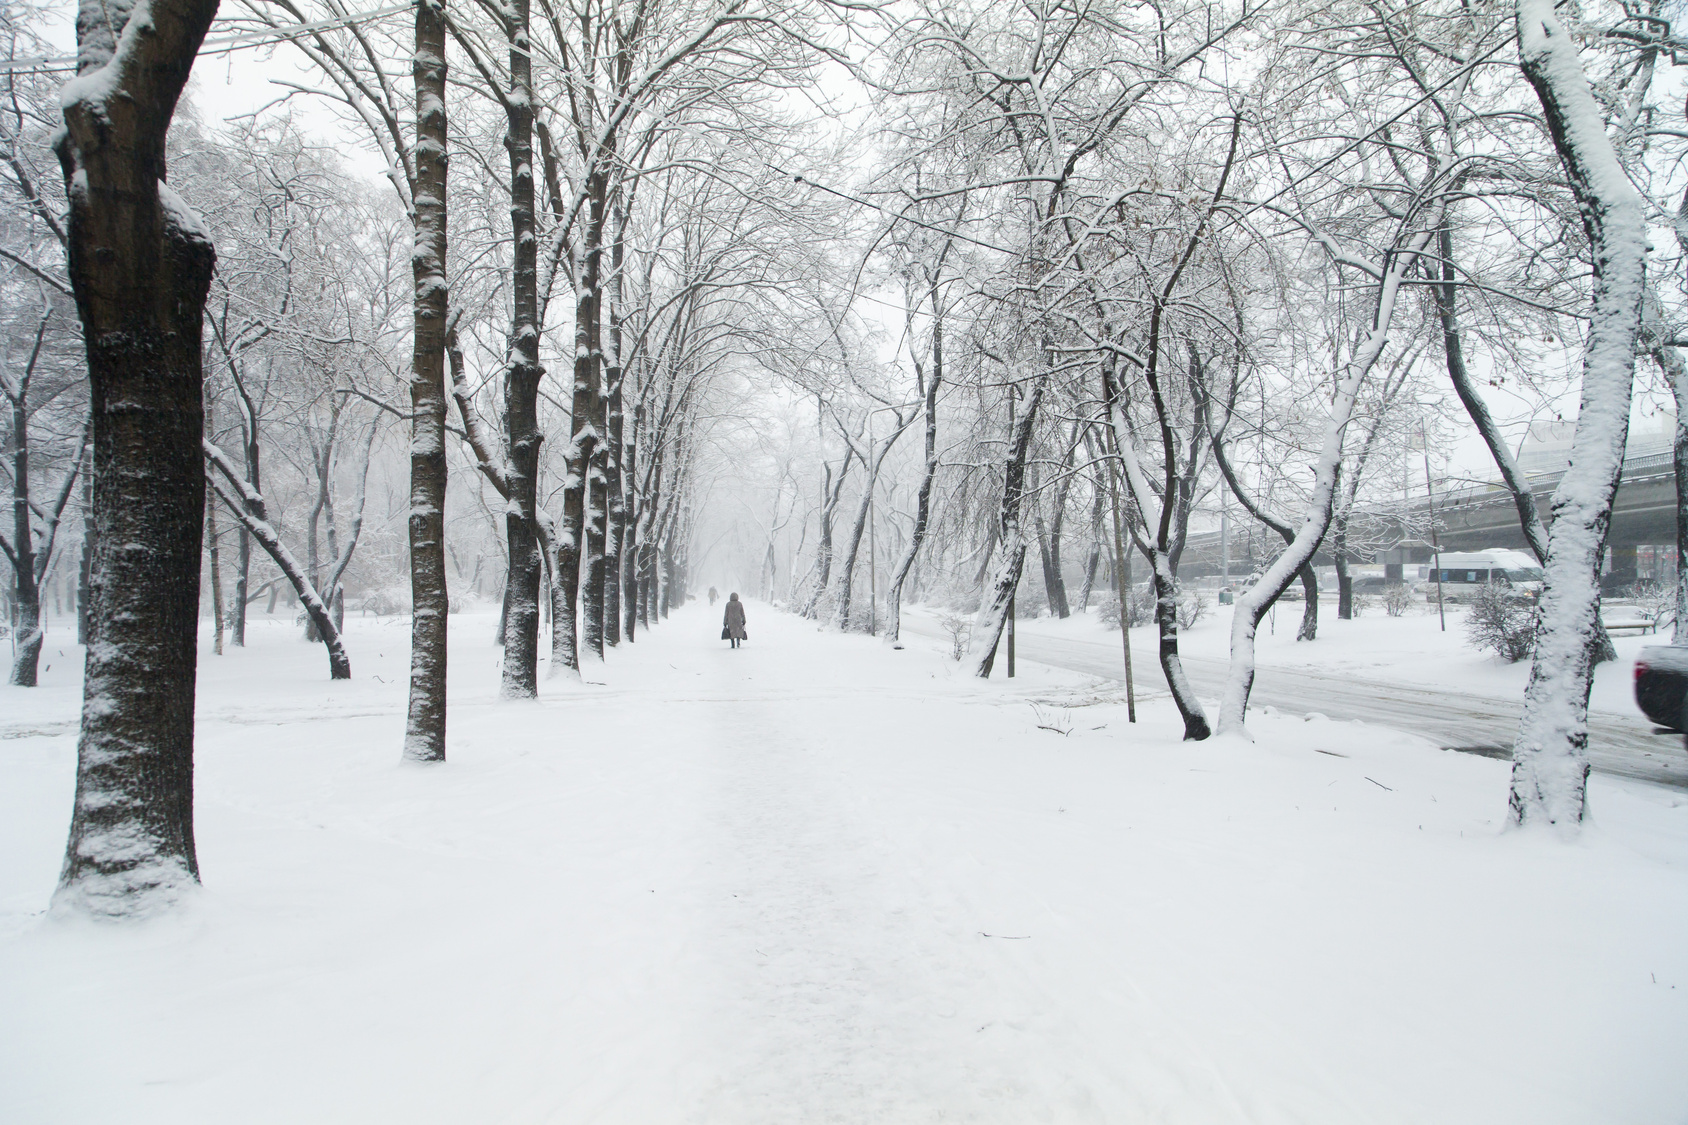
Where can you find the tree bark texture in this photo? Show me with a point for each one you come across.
(424, 734)
(573, 566)
(521, 386)
(614, 485)
(140, 265)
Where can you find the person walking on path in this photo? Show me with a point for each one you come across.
(712, 595)
(732, 625)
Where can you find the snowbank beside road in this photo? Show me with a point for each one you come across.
(1412, 649)
(815, 879)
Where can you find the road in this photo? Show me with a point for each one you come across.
(1474, 724)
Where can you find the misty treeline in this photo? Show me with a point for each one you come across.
(860, 305)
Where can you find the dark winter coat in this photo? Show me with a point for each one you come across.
(732, 626)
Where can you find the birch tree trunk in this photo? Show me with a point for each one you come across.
(424, 735)
(140, 266)
(1549, 757)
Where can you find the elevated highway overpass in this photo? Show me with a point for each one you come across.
(1469, 517)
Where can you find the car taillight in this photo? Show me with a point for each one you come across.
(1640, 667)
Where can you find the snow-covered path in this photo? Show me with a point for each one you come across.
(815, 880)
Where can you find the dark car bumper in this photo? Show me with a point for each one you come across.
(1661, 684)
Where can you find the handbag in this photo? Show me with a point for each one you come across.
(725, 636)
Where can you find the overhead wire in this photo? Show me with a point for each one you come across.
(49, 64)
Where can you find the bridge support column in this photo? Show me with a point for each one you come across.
(1620, 564)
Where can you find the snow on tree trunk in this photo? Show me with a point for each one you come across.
(1160, 560)
(1010, 534)
(574, 565)
(614, 484)
(424, 735)
(630, 534)
(140, 265)
(248, 507)
(520, 678)
(27, 592)
(1253, 603)
(1549, 757)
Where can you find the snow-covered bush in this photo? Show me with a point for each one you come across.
(1359, 604)
(1140, 607)
(1655, 600)
(959, 629)
(1396, 599)
(382, 603)
(1500, 622)
(1192, 607)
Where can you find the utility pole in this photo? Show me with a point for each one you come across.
(1224, 541)
(872, 564)
(1435, 540)
(1016, 590)
(1122, 589)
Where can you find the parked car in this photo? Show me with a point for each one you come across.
(1661, 684)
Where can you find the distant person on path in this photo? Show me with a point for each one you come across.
(712, 595)
(732, 626)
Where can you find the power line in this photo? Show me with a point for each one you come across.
(48, 64)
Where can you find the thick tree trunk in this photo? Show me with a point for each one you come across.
(84, 568)
(594, 564)
(1344, 587)
(574, 566)
(424, 736)
(592, 458)
(614, 486)
(629, 563)
(521, 387)
(1550, 758)
(140, 266)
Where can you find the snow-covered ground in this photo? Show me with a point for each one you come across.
(817, 880)
(1411, 649)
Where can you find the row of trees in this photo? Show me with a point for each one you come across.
(1106, 267)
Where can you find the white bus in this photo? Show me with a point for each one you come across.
(1501, 566)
